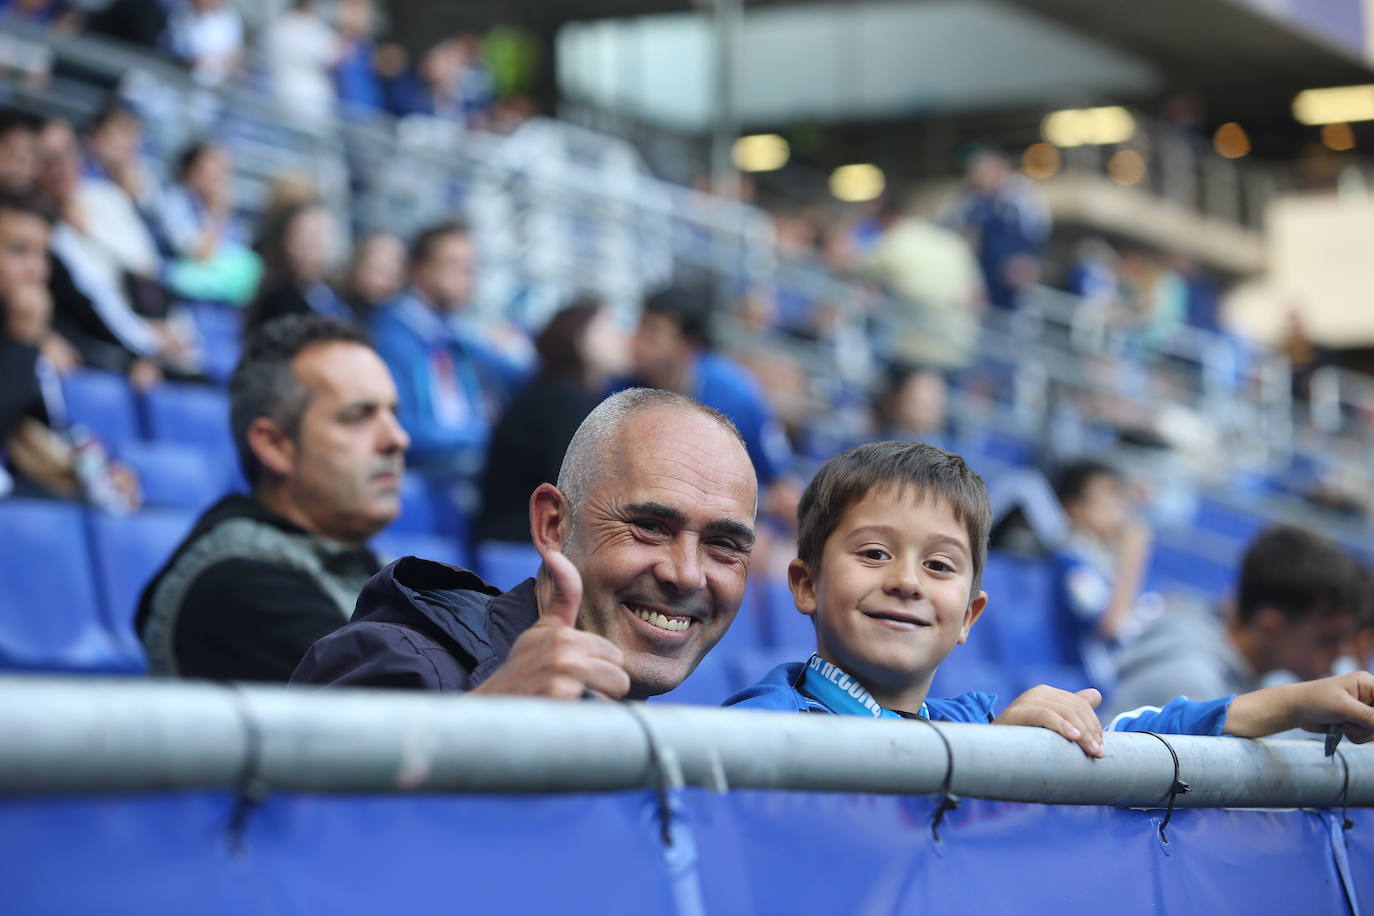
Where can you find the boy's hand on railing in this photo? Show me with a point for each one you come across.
(555, 659)
(1347, 700)
(1069, 714)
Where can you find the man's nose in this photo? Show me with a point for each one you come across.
(680, 568)
(394, 436)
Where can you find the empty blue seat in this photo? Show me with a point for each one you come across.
(174, 475)
(220, 331)
(196, 416)
(786, 626)
(960, 674)
(392, 544)
(419, 509)
(506, 564)
(1020, 617)
(128, 552)
(50, 615)
(748, 666)
(103, 403)
(1172, 566)
(1229, 521)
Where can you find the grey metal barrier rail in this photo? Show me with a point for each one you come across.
(83, 735)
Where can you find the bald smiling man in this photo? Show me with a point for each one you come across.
(646, 542)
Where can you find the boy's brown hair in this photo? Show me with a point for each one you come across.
(931, 472)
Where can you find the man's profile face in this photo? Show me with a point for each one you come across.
(663, 541)
(350, 449)
(18, 160)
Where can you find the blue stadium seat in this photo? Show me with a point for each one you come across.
(392, 544)
(128, 552)
(506, 564)
(1172, 566)
(960, 674)
(748, 666)
(103, 403)
(196, 416)
(174, 475)
(1020, 614)
(220, 328)
(786, 626)
(50, 616)
(1228, 521)
(419, 510)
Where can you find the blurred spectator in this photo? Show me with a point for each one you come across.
(18, 151)
(914, 407)
(670, 350)
(1006, 219)
(1295, 611)
(931, 270)
(206, 36)
(298, 248)
(137, 22)
(301, 51)
(35, 458)
(197, 215)
(450, 82)
(580, 351)
(357, 83)
(376, 274)
(40, 14)
(1363, 644)
(452, 382)
(108, 194)
(1155, 301)
(1093, 276)
(261, 577)
(1100, 568)
(89, 286)
(1202, 295)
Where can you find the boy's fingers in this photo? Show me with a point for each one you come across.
(567, 590)
(1092, 695)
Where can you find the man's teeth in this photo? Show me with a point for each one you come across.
(658, 620)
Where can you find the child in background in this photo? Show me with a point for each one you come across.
(891, 546)
(1100, 568)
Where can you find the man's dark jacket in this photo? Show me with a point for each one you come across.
(422, 625)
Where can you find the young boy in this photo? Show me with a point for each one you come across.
(891, 545)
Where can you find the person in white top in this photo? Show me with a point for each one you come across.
(207, 36)
(301, 52)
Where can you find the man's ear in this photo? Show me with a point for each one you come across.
(972, 613)
(550, 518)
(274, 449)
(803, 586)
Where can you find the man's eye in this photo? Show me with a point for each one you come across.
(650, 525)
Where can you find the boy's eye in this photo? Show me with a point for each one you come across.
(874, 553)
(939, 566)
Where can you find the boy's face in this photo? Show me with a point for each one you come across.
(1104, 507)
(892, 595)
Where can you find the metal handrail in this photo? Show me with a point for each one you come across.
(84, 735)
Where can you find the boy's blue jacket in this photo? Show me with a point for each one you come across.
(778, 691)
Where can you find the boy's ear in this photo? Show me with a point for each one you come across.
(803, 586)
(972, 613)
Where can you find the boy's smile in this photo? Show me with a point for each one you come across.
(892, 595)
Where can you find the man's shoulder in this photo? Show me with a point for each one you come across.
(380, 653)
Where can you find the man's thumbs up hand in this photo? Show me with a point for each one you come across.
(555, 659)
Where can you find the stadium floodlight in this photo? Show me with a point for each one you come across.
(760, 153)
(858, 182)
(1088, 126)
(1336, 105)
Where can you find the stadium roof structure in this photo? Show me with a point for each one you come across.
(1250, 53)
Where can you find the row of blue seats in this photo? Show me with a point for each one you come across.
(72, 577)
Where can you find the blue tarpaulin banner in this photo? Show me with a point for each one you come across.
(741, 852)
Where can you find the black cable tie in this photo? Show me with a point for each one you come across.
(1177, 788)
(950, 801)
(1346, 822)
(663, 777)
(251, 788)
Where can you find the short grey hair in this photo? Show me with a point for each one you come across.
(584, 459)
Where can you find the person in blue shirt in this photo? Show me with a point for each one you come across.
(451, 380)
(670, 350)
(1008, 223)
(891, 546)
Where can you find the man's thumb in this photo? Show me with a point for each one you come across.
(1092, 695)
(566, 590)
